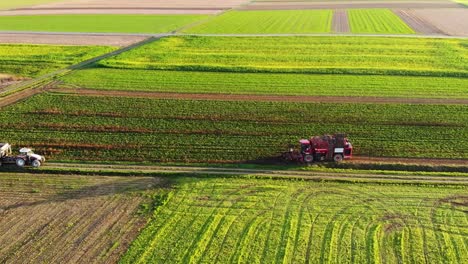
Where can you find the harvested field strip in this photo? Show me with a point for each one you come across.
(296, 21)
(336, 222)
(450, 21)
(94, 216)
(98, 23)
(377, 21)
(331, 55)
(221, 131)
(35, 60)
(268, 84)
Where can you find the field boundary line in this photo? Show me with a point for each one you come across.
(306, 175)
(26, 89)
(259, 97)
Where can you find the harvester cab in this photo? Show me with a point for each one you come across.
(321, 148)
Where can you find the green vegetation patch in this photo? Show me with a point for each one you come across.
(279, 21)
(34, 60)
(268, 83)
(381, 21)
(98, 23)
(71, 127)
(330, 55)
(228, 220)
(23, 3)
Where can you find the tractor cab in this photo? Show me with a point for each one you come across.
(305, 146)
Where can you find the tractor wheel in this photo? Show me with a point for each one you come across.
(36, 164)
(338, 158)
(308, 158)
(20, 162)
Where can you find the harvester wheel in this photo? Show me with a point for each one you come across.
(308, 158)
(36, 164)
(20, 162)
(338, 158)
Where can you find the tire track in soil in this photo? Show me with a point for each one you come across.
(418, 24)
(340, 22)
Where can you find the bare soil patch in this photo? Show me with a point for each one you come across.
(340, 23)
(345, 5)
(70, 39)
(417, 23)
(451, 21)
(265, 98)
(7, 79)
(69, 219)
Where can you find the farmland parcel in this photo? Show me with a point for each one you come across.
(256, 22)
(72, 127)
(98, 23)
(337, 66)
(382, 21)
(264, 221)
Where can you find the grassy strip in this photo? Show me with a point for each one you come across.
(257, 22)
(99, 128)
(268, 83)
(23, 3)
(35, 60)
(231, 210)
(98, 23)
(381, 21)
(330, 55)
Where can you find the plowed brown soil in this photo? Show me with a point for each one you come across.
(108, 11)
(188, 4)
(450, 21)
(69, 219)
(417, 23)
(266, 98)
(70, 39)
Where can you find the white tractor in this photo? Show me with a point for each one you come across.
(25, 158)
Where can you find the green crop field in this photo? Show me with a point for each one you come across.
(72, 127)
(268, 83)
(350, 55)
(22, 3)
(34, 60)
(228, 220)
(98, 23)
(381, 21)
(256, 22)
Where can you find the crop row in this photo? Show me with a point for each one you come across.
(97, 128)
(331, 55)
(34, 60)
(260, 221)
(268, 83)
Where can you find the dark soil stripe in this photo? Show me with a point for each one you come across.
(340, 23)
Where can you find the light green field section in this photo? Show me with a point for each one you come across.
(228, 220)
(4, 4)
(34, 60)
(256, 22)
(379, 21)
(268, 83)
(330, 55)
(98, 23)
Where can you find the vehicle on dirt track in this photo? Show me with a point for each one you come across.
(321, 148)
(26, 157)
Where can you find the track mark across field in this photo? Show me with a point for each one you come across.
(262, 98)
(340, 23)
